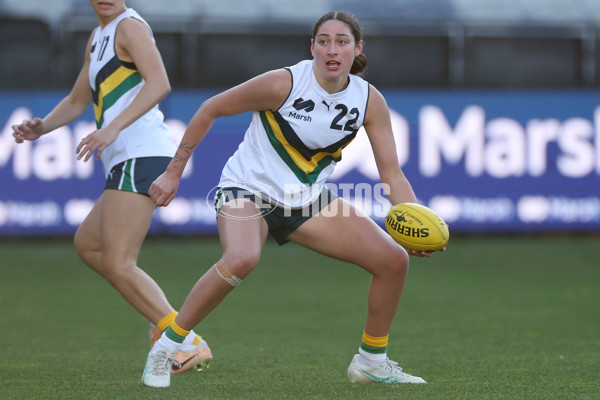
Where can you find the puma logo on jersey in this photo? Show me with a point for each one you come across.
(327, 105)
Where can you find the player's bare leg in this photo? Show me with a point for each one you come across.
(341, 232)
(242, 238)
(350, 236)
(109, 241)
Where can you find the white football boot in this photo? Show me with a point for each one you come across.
(387, 372)
(191, 357)
(157, 372)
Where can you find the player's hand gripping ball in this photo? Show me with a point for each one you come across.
(416, 227)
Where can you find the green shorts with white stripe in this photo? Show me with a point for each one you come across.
(136, 175)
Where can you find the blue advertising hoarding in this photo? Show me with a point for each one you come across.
(486, 161)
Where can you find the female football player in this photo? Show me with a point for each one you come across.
(124, 70)
(303, 116)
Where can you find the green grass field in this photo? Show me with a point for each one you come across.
(492, 318)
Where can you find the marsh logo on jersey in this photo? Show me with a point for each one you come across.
(302, 105)
(306, 105)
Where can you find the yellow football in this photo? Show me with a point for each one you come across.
(416, 227)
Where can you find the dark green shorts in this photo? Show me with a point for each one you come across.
(281, 221)
(136, 175)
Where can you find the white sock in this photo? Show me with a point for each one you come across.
(189, 338)
(369, 359)
(167, 343)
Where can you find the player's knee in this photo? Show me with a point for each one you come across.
(107, 269)
(242, 263)
(79, 243)
(111, 275)
(399, 268)
(396, 263)
(83, 248)
(114, 266)
(115, 271)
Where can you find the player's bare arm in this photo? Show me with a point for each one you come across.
(133, 43)
(265, 92)
(66, 111)
(379, 129)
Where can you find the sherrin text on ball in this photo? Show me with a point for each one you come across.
(416, 227)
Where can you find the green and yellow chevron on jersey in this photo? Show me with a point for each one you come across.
(114, 80)
(306, 163)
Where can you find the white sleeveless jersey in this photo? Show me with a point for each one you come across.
(288, 154)
(115, 84)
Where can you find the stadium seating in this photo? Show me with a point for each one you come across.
(469, 10)
(431, 43)
(27, 53)
(51, 12)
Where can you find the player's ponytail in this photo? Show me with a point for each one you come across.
(359, 66)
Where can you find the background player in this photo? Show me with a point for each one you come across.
(124, 70)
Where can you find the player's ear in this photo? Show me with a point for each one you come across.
(359, 48)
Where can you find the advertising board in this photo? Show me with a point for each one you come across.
(486, 161)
